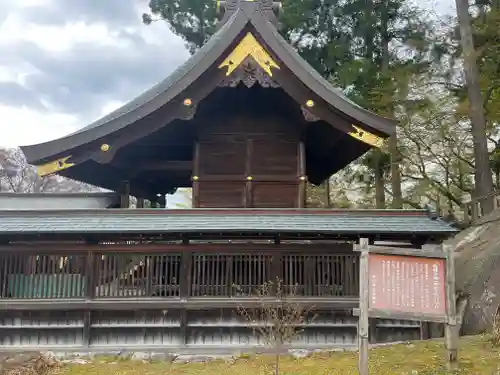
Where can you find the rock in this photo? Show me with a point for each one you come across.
(138, 356)
(301, 353)
(192, 359)
(76, 361)
(163, 357)
(478, 274)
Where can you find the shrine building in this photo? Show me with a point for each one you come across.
(245, 123)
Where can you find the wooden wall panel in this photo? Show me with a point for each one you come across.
(274, 157)
(222, 157)
(274, 195)
(220, 194)
(248, 161)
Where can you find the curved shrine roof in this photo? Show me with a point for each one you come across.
(85, 144)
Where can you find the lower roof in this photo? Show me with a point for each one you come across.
(380, 224)
(55, 201)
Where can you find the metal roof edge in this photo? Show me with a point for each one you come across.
(303, 70)
(37, 153)
(226, 211)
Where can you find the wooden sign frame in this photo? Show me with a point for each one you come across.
(364, 312)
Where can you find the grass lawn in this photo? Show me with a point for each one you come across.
(477, 356)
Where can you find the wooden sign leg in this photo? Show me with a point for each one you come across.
(451, 332)
(363, 325)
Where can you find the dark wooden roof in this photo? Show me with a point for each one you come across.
(288, 223)
(80, 155)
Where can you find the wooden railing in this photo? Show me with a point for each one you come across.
(475, 209)
(105, 276)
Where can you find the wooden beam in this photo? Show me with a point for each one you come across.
(363, 325)
(157, 166)
(402, 315)
(75, 248)
(405, 252)
(193, 303)
(125, 195)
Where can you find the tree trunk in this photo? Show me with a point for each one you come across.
(482, 174)
(379, 181)
(397, 195)
(327, 194)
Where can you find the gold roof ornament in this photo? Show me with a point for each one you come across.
(249, 46)
(310, 103)
(366, 137)
(54, 166)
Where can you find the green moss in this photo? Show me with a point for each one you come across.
(477, 356)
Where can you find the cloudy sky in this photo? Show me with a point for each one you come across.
(64, 63)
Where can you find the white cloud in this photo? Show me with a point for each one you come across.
(61, 42)
(23, 126)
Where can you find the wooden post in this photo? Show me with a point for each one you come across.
(162, 200)
(140, 203)
(125, 195)
(196, 175)
(363, 325)
(451, 332)
(301, 168)
(90, 268)
(467, 219)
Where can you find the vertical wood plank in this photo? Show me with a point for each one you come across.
(451, 331)
(87, 322)
(185, 276)
(363, 325)
(247, 197)
(162, 200)
(196, 173)
(140, 203)
(424, 330)
(184, 327)
(90, 268)
(276, 271)
(372, 330)
(301, 161)
(125, 195)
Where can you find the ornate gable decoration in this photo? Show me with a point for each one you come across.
(54, 166)
(249, 46)
(269, 9)
(366, 137)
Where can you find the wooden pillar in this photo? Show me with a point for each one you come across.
(162, 201)
(196, 176)
(140, 203)
(90, 267)
(451, 331)
(125, 195)
(363, 325)
(372, 331)
(301, 168)
(276, 269)
(185, 288)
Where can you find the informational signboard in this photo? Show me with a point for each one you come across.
(408, 284)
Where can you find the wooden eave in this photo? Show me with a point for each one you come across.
(118, 128)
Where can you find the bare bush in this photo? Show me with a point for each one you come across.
(277, 318)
